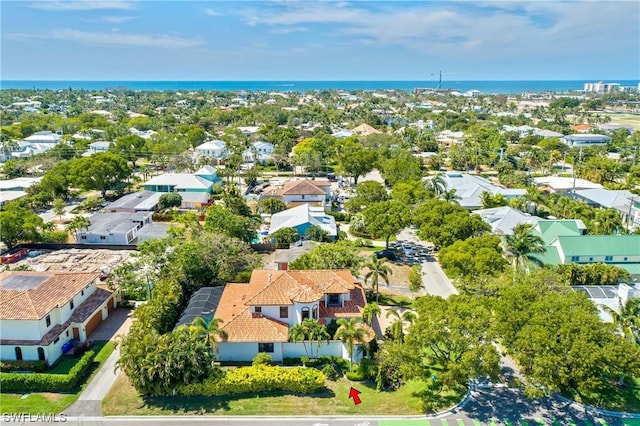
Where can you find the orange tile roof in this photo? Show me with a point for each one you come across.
(285, 287)
(282, 288)
(302, 187)
(34, 302)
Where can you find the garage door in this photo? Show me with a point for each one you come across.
(93, 322)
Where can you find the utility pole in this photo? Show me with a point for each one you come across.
(573, 191)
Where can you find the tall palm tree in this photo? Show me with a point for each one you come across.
(350, 334)
(310, 330)
(402, 320)
(520, 247)
(607, 221)
(377, 269)
(211, 329)
(628, 319)
(370, 311)
(76, 224)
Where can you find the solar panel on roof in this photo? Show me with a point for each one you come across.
(22, 282)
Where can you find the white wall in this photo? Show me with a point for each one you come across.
(117, 238)
(306, 199)
(241, 351)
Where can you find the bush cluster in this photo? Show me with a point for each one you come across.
(35, 366)
(259, 378)
(21, 382)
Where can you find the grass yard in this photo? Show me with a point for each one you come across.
(46, 402)
(123, 399)
(627, 119)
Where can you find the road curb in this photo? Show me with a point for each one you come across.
(598, 411)
(455, 408)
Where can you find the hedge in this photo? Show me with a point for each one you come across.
(255, 379)
(37, 366)
(44, 382)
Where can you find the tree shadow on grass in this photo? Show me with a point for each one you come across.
(215, 404)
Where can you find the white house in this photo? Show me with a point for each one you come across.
(302, 218)
(212, 149)
(563, 185)
(113, 228)
(469, 189)
(258, 151)
(578, 140)
(44, 137)
(257, 316)
(95, 147)
(41, 311)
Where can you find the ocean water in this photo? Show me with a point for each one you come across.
(506, 87)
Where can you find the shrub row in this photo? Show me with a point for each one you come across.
(44, 382)
(37, 366)
(260, 378)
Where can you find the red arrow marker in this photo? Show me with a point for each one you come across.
(353, 393)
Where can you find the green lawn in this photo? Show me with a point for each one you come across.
(46, 402)
(123, 399)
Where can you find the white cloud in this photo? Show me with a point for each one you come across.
(137, 40)
(115, 19)
(58, 5)
(289, 30)
(212, 12)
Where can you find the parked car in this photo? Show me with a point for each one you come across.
(407, 249)
(389, 254)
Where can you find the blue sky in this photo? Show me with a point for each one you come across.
(319, 40)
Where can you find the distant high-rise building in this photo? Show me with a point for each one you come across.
(601, 87)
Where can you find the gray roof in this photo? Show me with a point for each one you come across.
(180, 181)
(503, 219)
(471, 187)
(144, 200)
(105, 223)
(301, 215)
(203, 303)
(606, 197)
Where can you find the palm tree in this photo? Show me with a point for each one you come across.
(350, 334)
(312, 331)
(377, 269)
(450, 196)
(77, 223)
(211, 329)
(520, 246)
(628, 319)
(607, 221)
(402, 320)
(370, 311)
(437, 184)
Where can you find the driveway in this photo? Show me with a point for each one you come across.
(90, 401)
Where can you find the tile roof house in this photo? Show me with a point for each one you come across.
(302, 218)
(41, 311)
(257, 316)
(315, 192)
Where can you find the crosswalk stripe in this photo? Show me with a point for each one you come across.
(445, 423)
(492, 422)
(508, 422)
(476, 422)
(602, 422)
(460, 422)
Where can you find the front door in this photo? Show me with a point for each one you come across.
(76, 333)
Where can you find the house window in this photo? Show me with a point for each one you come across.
(18, 354)
(284, 312)
(41, 354)
(67, 333)
(333, 299)
(265, 347)
(71, 305)
(48, 320)
(303, 196)
(57, 340)
(314, 312)
(258, 309)
(575, 258)
(83, 237)
(591, 259)
(608, 258)
(305, 313)
(82, 292)
(102, 237)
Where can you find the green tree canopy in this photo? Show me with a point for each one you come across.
(19, 224)
(169, 200)
(221, 219)
(385, 219)
(340, 255)
(103, 171)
